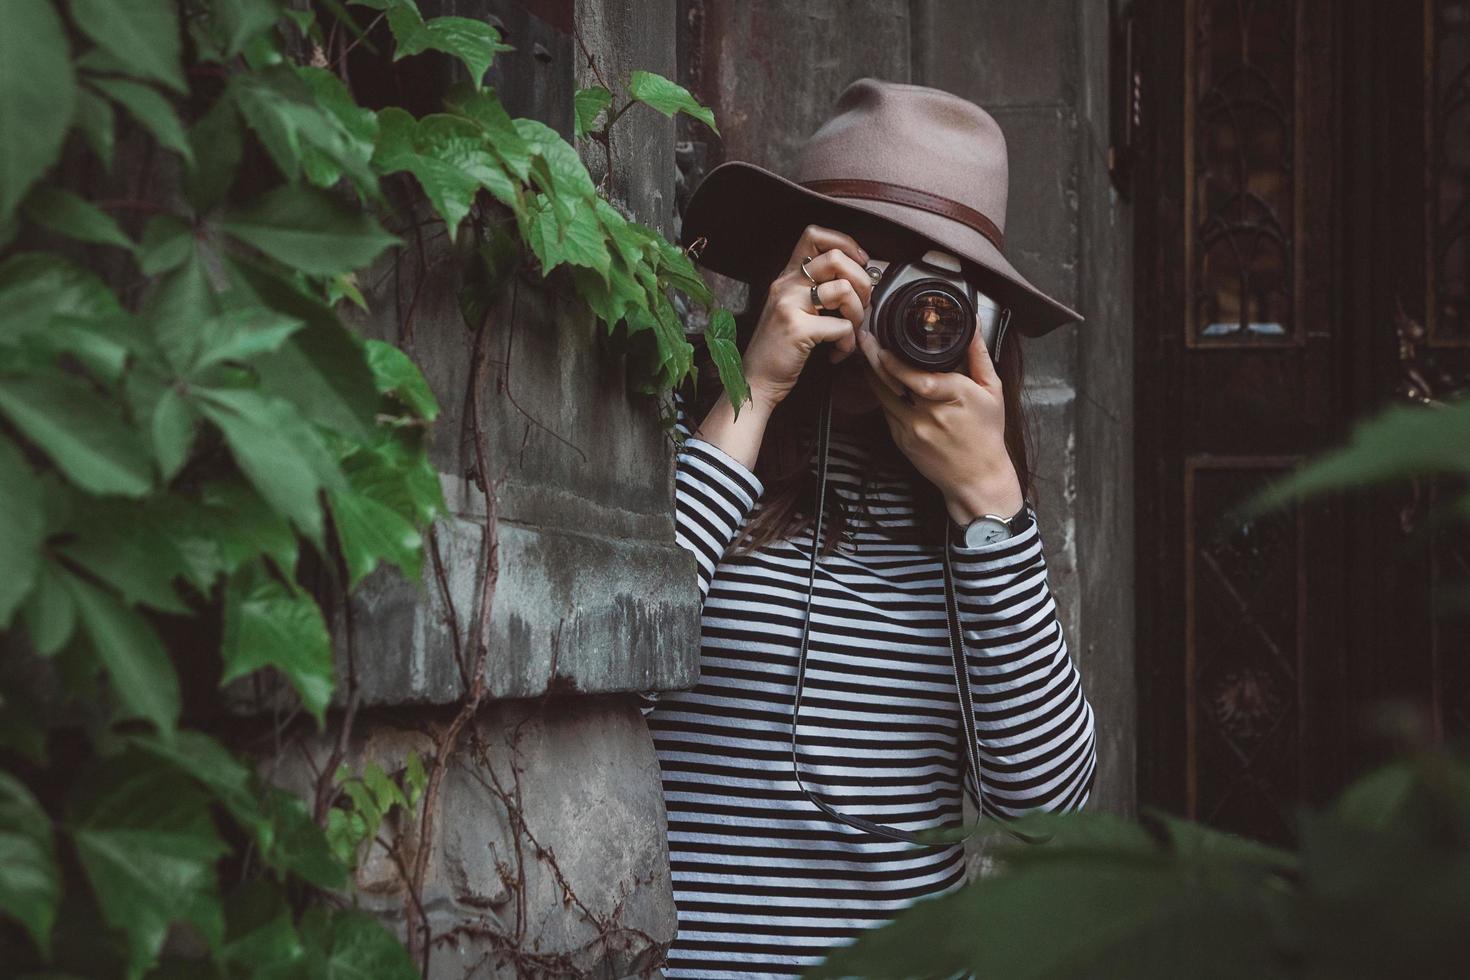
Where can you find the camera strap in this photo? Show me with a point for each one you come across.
(957, 657)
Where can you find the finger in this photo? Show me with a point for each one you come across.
(982, 368)
(827, 329)
(815, 240)
(894, 405)
(837, 264)
(931, 385)
(870, 348)
(839, 294)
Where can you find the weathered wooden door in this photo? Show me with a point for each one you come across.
(1292, 270)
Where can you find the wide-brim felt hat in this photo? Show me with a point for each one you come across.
(901, 168)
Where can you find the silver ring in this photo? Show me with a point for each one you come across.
(809, 277)
(816, 299)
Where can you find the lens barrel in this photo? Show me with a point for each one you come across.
(928, 322)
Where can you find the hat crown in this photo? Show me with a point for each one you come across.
(913, 136)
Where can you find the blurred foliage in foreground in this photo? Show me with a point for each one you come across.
(1379, 885)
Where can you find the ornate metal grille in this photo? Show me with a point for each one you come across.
(1241, 183)
(1243, 649)
(1447, 148)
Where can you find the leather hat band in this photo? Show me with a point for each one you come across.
(879, 190)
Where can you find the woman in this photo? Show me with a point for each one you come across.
(769, 871)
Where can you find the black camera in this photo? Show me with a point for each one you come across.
(924, 310)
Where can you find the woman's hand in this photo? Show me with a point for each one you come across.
(789, 327)
(953, 428)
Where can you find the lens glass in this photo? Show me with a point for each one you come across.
(933, 322)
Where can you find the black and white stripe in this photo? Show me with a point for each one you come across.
(765, 884)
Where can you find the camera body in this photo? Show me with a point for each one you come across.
(924, 310)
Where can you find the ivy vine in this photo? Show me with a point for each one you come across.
(188, 425)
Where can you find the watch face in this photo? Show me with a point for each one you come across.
(985, 530)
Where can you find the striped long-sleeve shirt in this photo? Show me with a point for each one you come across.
(765, 883)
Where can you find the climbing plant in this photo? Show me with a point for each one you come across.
(192, 437)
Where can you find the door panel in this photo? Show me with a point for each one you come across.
(1302, 259)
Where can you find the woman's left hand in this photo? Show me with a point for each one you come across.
(953, 428)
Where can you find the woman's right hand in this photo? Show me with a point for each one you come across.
(789, 328)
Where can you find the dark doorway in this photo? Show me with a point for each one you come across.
(1302, 183)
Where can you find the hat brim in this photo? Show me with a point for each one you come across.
(751, 219)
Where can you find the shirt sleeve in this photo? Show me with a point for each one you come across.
(1034, 724)
(714, 493)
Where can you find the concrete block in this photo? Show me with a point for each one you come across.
(1051, 414)
(773, 70)
(572, 612)
(998, 52)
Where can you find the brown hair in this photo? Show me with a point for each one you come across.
(785, 453)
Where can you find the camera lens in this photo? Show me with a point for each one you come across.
(933, 322)
(928, 321)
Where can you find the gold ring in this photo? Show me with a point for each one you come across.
(809, 277)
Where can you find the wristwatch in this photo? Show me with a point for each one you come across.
(988, 528)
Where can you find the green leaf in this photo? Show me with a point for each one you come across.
(719, 338)
(218, 142)
(83, 434)
(563, 176)
(668, 97)
(309, 230)
(358, 130)
(280, 453)
(484, 108)
(131, 546)
(414, 778)
(345, 287)
(142, 34)
(400, 475)
(166, 244)
(228, 525)
(578, 241)
(38, 92)
(297, 844)
(473, 42)
(21, 531)
(36, 287)
(236, 23)
(213, 767)
(144, 837)
(285, 111)
(180, 301)
(98, 124)
(151, 110)
(351, 945)
(243, 334)
(131, 653)
(50, 613)
(449, 189)
(262, 942)
(67, 214)
(322, 369)
(588, 104)
(30, 881)
(676, 269)
(395, 373)
(172, 431)
(269, 625)
(368, 531)
(1399, 443)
